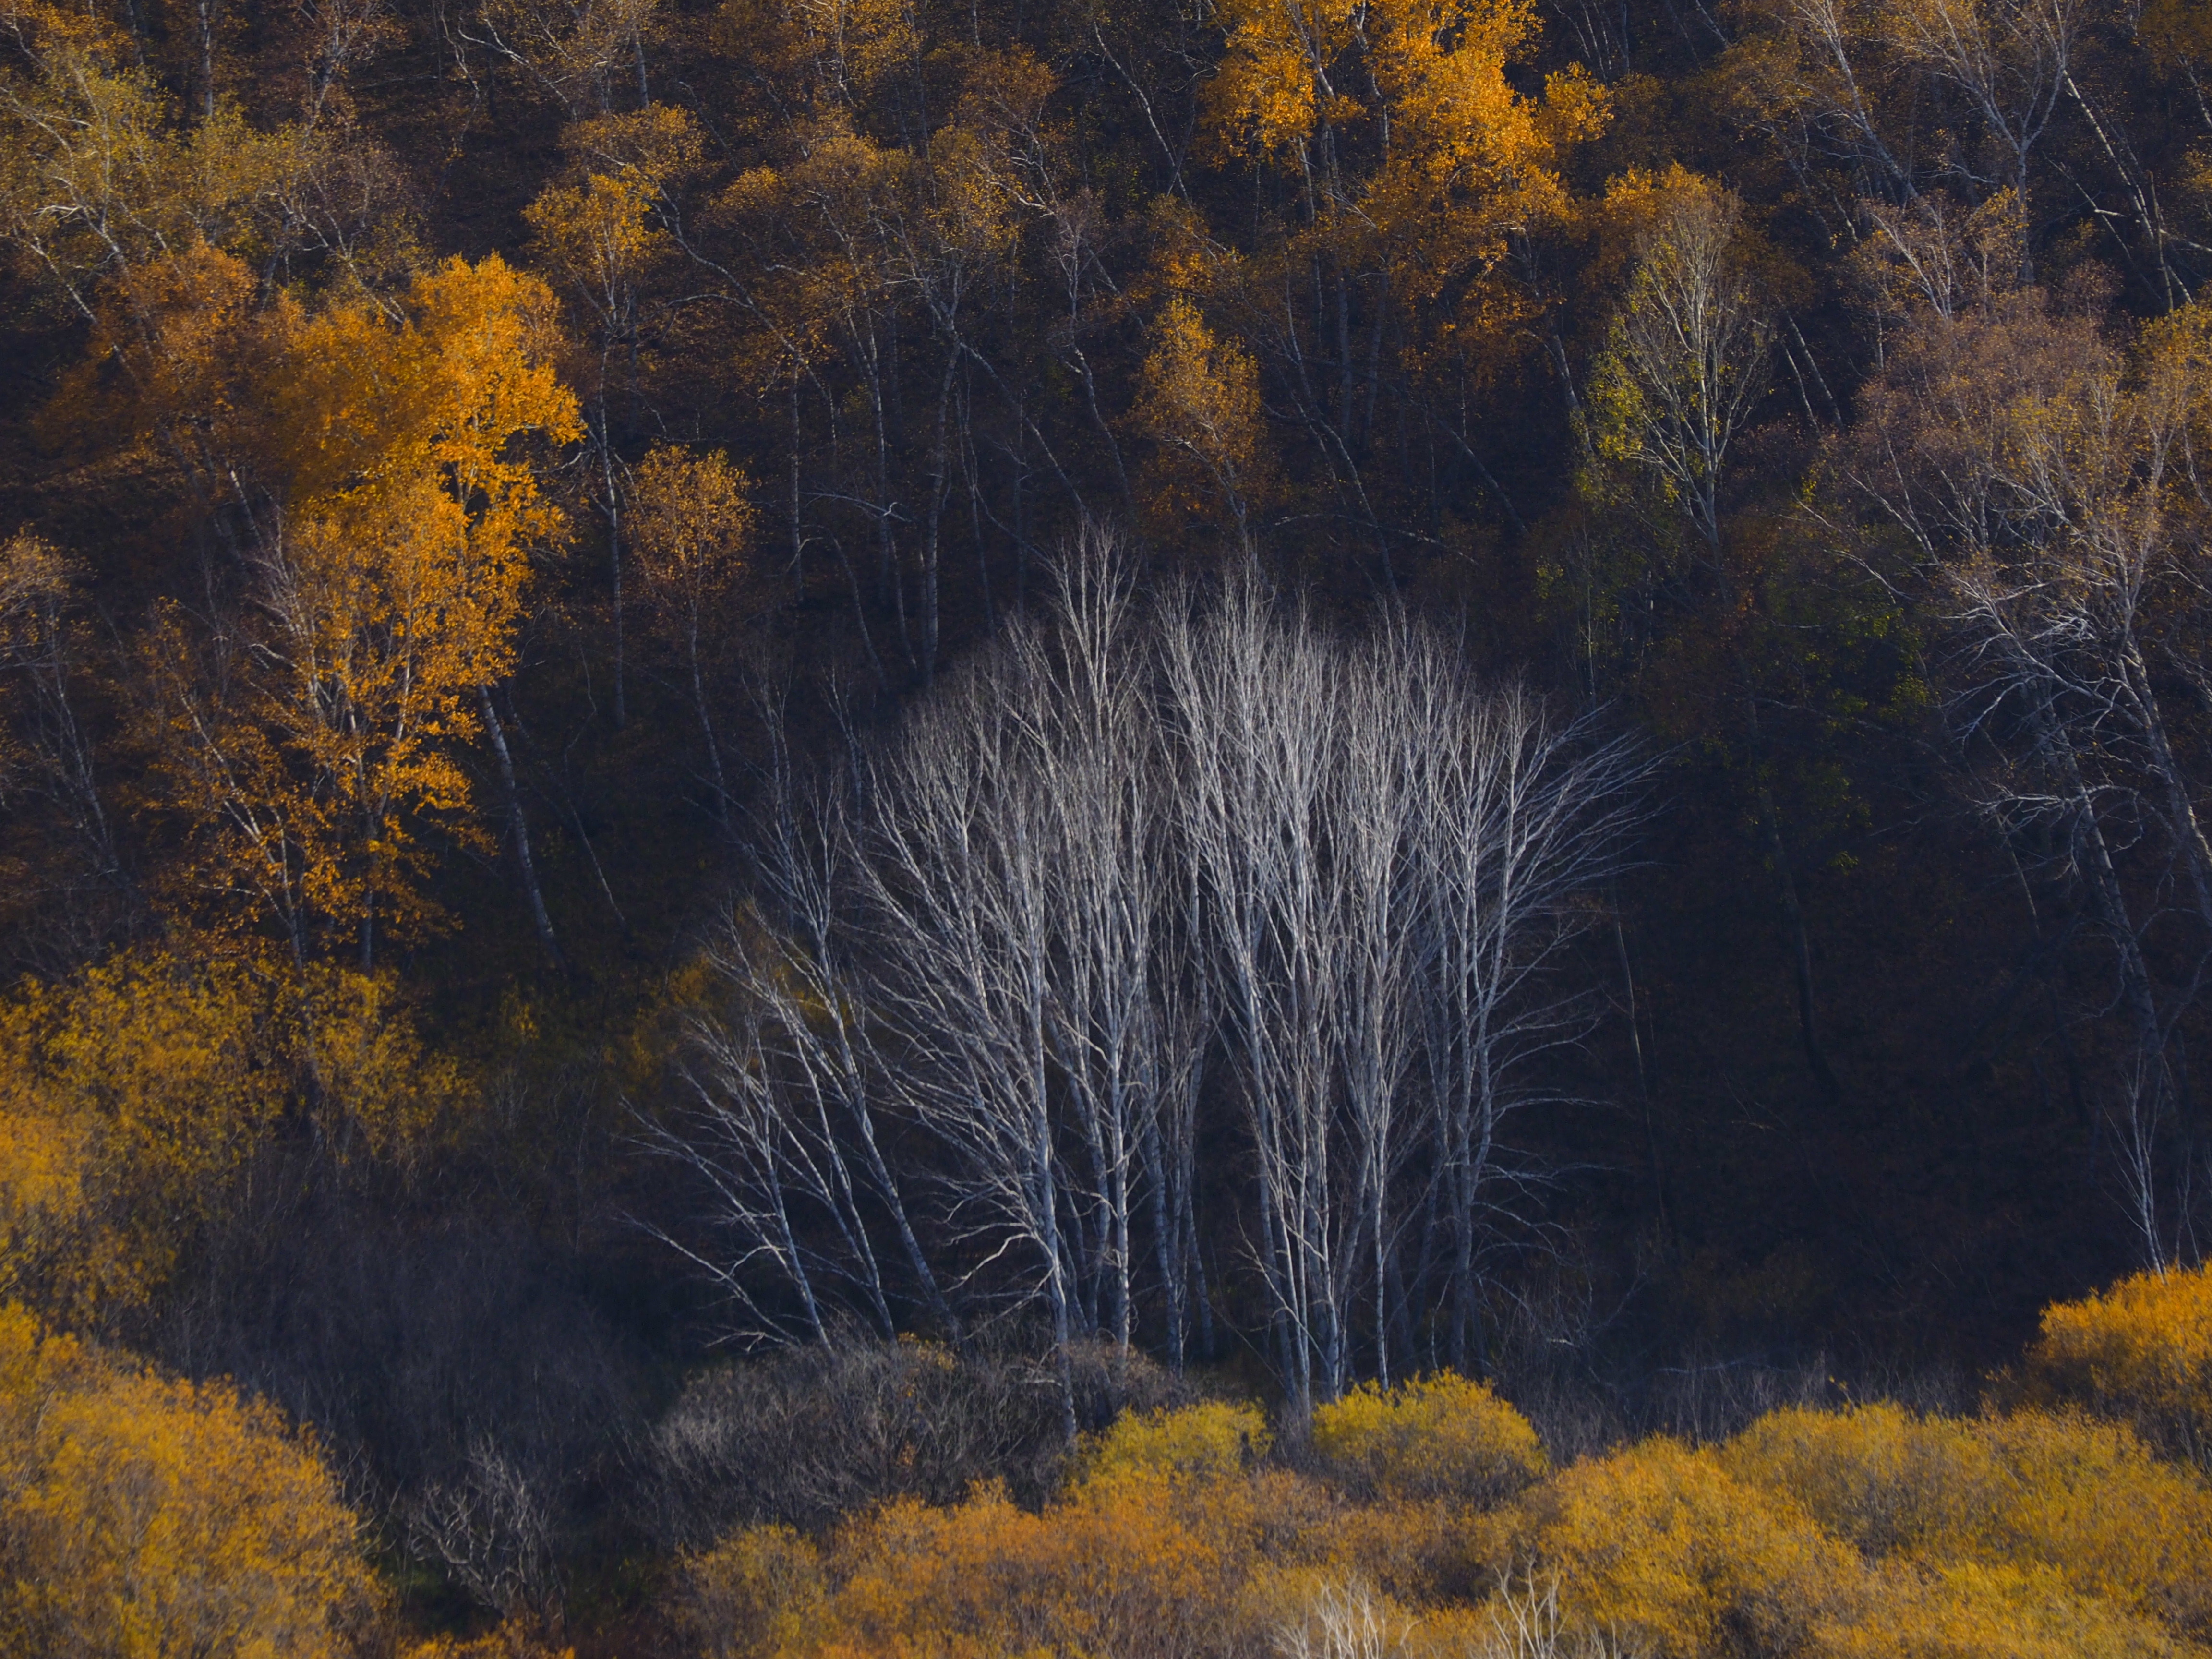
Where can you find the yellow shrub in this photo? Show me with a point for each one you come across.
(143, 1518)
(1975, 1612)
(1136, 1562)
(2088, 1500)
(1113, 1571)
(759, 1591)
(52, 1246)
(1885, 1480)
(131, 1099)
(1661, 1545)
(1419, 1552)
(1211, 1442)
(1438, 1437)
(2141, 1351)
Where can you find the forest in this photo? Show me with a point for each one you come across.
(1324, 828)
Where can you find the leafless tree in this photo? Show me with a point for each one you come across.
(1390, 861)
(1255, 701)
(1083, 681)
(1125, 839)
(959, 895)
(786, 1091)
(492, 1530)
(1522, 817)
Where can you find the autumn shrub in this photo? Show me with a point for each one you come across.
(1117, 1569)
(2084, 1500)
(131, 1099)
(1151, 1550)
(1212, 1441)
(1660, 1544)
(2141, 1351)
(1425, 1553)
(143, 1518)
(137, 1096)
(1442, 1437)
(1973, 1611)
(511, 1640)
(1811, 1535)
(759, 1591)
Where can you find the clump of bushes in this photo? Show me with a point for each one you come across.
(811, 1434)
(2140, 1352)
(1441, 1437)
(1426, 1520)
(144, 1516)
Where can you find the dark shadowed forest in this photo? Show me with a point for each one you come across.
(1317, 828)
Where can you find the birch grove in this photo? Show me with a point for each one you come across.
(1153, 905)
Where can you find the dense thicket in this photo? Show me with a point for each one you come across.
(1291, 692)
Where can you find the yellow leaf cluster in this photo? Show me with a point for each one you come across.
(1148, 1554)
(1975, 1612)
(1661, 1542)
(150, 1519)
(1441, 1437)
(131, 1102)
(136, 1098)
(1211, 1442)
(1275, 85)
(2141, 1351)
(512, 1640)
(693, 520)
(2085, 1501)
(597, 232)
(376, 1086)
(100, 174)
(1198, 399)
(1113, 1570)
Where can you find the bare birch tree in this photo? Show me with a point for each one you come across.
(1123, 839)
(787, 1090)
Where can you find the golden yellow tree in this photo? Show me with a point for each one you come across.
(102, 170)
(131, 1101)
(599, 237)
(389, 567)
(1424, 176)
(1198, 400)
(140, 1098)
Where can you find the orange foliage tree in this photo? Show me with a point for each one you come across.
(599, 237)
(1425, 179)
(137, 1098)
(389, 569)
(131, 1104)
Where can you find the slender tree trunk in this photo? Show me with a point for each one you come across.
(707, 730)
(519, 827)
(613, 503)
